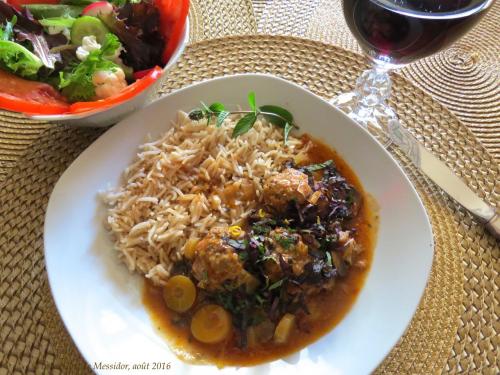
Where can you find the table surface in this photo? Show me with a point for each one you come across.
(464, 78)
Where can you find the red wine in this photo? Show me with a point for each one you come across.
(401, 31)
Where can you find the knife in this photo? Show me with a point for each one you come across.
(443, 177)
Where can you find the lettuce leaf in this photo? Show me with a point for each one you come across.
(138, 27)
(26, 28)
(14, 57)
(7, 31)
(77, 84)
(40, 48)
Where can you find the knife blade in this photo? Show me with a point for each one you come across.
(444, 177)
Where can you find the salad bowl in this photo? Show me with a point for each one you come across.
(110, 115)
(96, 113)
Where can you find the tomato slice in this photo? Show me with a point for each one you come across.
(142, 73)
(173, 14)
(127, 93)
(30, 97)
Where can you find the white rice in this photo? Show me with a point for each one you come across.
(174, 190)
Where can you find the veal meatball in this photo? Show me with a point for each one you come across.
(289, 186)
(215, 263)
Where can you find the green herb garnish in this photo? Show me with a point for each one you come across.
(274, 114)
(244, 124)
(319, 166)
(277, 284)
(259, 299)
(285, 241)
(251, 102)
(277, 115)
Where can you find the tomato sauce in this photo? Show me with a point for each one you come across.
(326, 309)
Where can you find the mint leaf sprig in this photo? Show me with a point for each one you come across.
(276, 115)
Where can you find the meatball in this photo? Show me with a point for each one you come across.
(285, 187)
(216, 265)
(291, 248)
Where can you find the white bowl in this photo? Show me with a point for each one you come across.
(110, 115)
(100, 301)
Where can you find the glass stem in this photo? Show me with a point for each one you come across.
(368, 103)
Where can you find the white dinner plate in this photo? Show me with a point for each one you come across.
(100, 301)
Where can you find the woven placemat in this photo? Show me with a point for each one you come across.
(465, 77)
(208, 19)
(461, 290)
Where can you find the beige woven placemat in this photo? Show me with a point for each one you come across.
(461, 290)
(208, 19)
(465, 77)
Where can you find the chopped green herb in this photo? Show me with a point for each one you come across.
(319, 166)
(259, 299)
(261, 229)
(285, 241)
(262, 249)
(277, 284)
(267, 257)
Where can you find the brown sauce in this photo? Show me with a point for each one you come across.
(326, 309)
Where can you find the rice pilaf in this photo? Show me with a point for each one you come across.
(194, 178)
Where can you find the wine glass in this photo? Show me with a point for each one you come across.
(393, 33)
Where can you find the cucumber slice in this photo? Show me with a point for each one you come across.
(52, 11)
(86, 26)
(57, 22)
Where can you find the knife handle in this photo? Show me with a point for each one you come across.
(493, 225)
